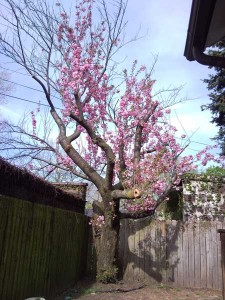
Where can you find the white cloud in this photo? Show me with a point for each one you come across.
(8, 113)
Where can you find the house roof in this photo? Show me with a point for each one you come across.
(206, 27)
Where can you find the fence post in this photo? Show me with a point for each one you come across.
(222, 239)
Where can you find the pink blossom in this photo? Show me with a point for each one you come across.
(115, 115)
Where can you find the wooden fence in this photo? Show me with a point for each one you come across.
(42, 249)
(172, 252)
(43, 236)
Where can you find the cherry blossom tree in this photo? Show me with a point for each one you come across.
(113, 130)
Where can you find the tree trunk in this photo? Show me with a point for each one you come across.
(106, 237)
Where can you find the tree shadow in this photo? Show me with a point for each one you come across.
(148, 249)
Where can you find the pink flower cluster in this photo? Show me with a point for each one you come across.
(133, 124)
(34, 123)
(99, 221)
(83, 72)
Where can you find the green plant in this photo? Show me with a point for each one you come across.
(87, 291)
(108, 276)
(173, 208)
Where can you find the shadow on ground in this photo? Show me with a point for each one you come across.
(87, 289)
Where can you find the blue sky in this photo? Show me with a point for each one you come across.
(164, 26)
(167, 24)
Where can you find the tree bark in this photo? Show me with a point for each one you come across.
(106, 237)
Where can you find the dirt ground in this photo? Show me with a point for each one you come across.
(135, 291)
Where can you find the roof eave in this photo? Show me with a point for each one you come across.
(199, 23)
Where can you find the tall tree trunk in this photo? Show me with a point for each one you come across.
(106, 237)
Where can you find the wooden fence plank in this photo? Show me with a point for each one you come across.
(126, 248)
(4, 230)
(208, 256)
(172, 251)
(131, 248)
(141, 249)
(136, 252)
(217, 256)
(191, 255)
(180, 271)
(197, 256)
(162, 263)
(203, 255)
(28, 230)
(155, 252)
(122, 245)
(186, 278)
(151, 267)
(214, 255)
(8, 257)
(219, 226)
(15, 252)
(176, 225)
(124, 258)
(17, 267)
(147, 249)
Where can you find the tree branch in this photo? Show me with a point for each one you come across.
(97, 140)
(126, 194)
